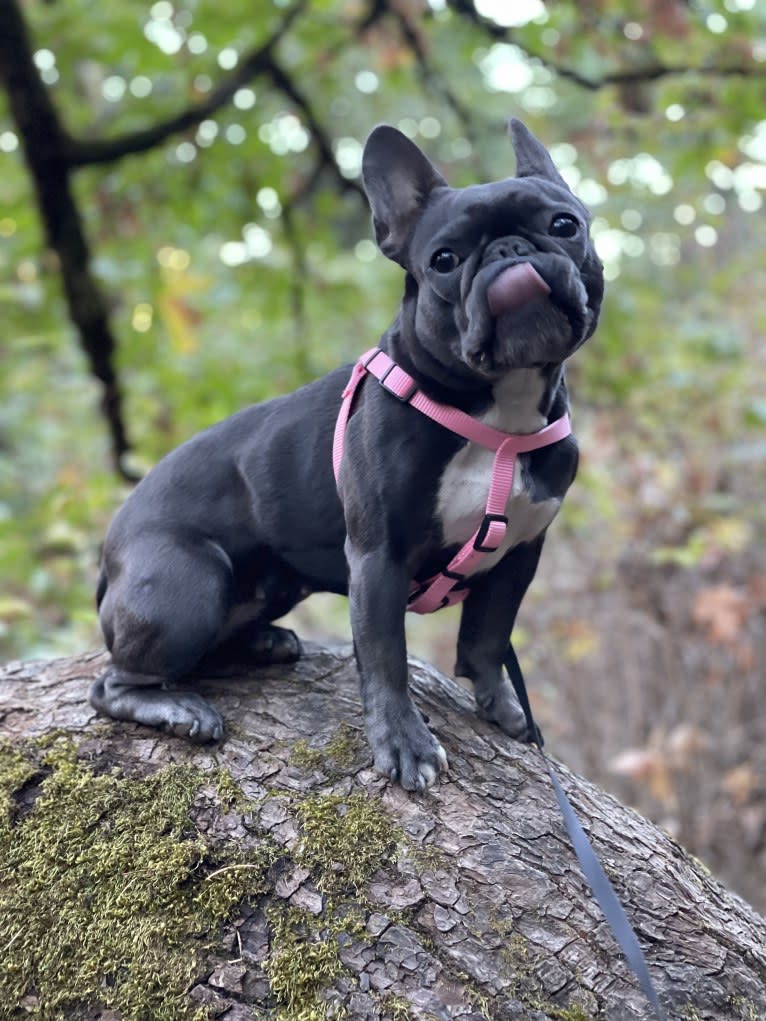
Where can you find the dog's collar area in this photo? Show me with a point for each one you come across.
(401, 385)
(448, 586)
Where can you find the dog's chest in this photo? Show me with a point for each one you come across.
(465, 482)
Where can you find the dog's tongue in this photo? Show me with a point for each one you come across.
(515, 287)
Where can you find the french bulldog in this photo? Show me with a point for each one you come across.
(233, 528)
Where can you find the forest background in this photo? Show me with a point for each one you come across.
(183, 232)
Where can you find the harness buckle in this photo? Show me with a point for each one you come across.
(453, 595)
(401, 395)
(484, 529)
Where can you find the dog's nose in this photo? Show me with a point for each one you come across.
(507, 248)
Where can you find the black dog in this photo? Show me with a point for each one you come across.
(233, 528)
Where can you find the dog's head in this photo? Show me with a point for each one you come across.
(500, 276)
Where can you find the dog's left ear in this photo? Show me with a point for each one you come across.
(398, 179)
(532, 158)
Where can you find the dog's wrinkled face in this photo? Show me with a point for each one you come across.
(502, 275)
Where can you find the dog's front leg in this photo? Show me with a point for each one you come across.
(403, 746)
(486, 623)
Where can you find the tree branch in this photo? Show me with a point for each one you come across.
(434, 81)
(89, 152)
(298, 277)
(635, 76)
(285, 84)
(466, 902)
(639, 75)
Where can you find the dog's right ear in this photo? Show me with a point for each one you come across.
(532, 158)
(398, 179)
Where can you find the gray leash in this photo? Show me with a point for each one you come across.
(601, 887)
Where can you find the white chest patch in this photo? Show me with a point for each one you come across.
(464, 485)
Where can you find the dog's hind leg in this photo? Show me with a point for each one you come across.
(142, 698)
(163, 606)
(251, 639)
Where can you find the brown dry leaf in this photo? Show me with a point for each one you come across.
(661, 784)
(637, 763)
(581, 640)
(649, 766)
(746, 658)
(757, 590)
(684, 743)
(671, 18)
(740, 783)
(714, 677)
(723, 611)
(754, 825)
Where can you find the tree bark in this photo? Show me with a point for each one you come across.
(476, 910)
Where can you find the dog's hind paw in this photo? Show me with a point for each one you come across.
(183, 713)
(499, 705)
(274, 644)
(191, 716)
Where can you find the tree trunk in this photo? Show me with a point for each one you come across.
(277, 875)
(45, 145)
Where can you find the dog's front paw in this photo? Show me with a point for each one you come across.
(404, 748)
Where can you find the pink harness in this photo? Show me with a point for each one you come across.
(441, 590)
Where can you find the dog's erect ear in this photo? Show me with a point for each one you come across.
(398, 179)
(532, 158)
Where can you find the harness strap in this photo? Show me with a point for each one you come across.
(441, 590)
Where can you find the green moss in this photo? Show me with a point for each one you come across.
(428, 858)
(339, 754)
(15, 772)
(108, 895)
(396, 1007)
(305, 959)
(745, 1008)
(477, 999)
(345, 746)
(229, 791)
(572, 1013)
(520, 964)
(515, 953)
(690, 1013)
(306, 757)
(344, 839)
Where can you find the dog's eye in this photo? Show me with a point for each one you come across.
(563, 225)
(445, 260)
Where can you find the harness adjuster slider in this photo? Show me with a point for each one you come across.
(416, 593)
(484, 530)
(454, 575)
(402, 395)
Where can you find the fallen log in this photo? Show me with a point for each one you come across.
(277, 875)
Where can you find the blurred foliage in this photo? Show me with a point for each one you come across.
(238, 263)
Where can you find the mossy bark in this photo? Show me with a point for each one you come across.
(277, 876)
